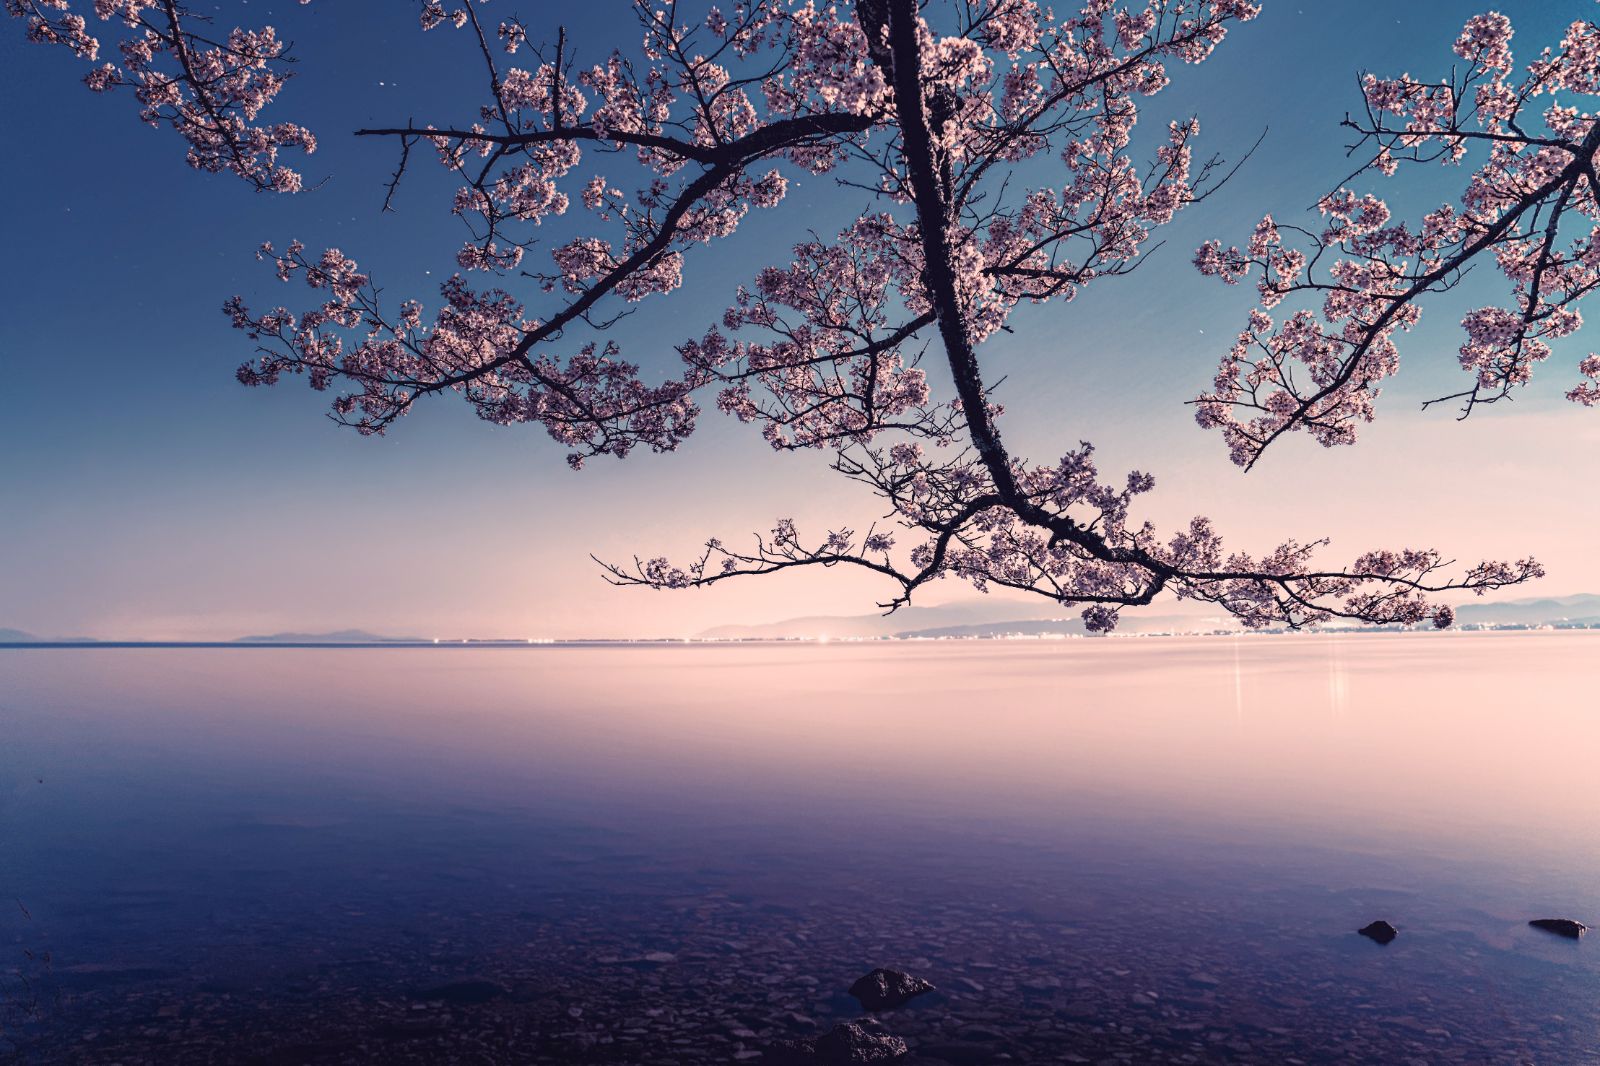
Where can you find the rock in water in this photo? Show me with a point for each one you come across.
(1380, 931)
(846, 1044)
(887, 989)
(1560, 927)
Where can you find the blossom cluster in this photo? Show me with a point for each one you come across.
(211, 91)
(476, 346)
(1529, 206)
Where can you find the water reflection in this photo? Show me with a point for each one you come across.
(1088, 845)
(1337, 682)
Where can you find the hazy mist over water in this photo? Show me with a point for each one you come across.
(1180, 835)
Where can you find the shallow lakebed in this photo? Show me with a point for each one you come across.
(1124, 850)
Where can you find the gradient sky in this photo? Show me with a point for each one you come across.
(144, 494)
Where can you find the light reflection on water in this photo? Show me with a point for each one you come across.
(1133, 810)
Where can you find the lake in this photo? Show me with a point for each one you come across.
(1104, 851)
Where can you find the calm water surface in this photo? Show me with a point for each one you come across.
(1099, 850)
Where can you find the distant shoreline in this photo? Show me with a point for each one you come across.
(656, 642)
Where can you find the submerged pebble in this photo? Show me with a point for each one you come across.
(1561, 927)
(887, 989)
(1380, 931)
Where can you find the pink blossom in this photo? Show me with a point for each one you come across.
(868, 342)
(1529, 204)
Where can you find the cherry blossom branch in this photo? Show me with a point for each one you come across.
(1019, 535)
(213, 96)
(1532, 192)
(419, 371)
(707, 119)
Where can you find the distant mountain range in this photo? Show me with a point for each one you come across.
(1582, 609)
(876, 625)
(967, 618)
(338, 636)
(17, 636)
(341, 636)
(980, 618)
(1043, 627)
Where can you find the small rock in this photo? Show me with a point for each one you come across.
(846, 1044)
(850, 1043)
(1560, 927)
(887, 989)
(1380, 931)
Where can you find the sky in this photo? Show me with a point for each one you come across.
(145, 495)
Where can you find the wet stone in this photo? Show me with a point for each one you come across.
(887, 989)
(1560, 927)
(849, 1043)
(1379, 931)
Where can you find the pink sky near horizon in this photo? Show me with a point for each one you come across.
(512, 560)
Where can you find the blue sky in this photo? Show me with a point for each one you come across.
(144, 493)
